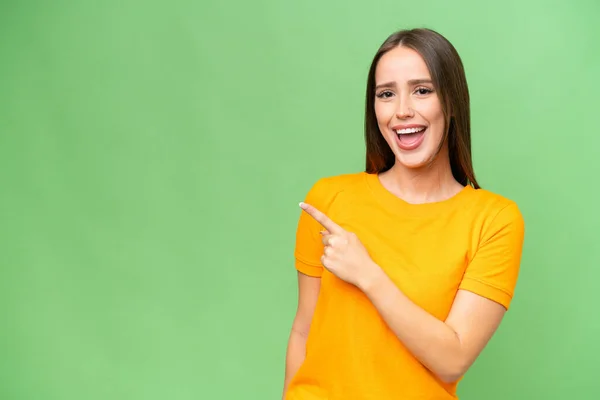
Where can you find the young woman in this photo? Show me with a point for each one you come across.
(405, 270)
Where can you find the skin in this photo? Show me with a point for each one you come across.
(405, 95)
(308, 292)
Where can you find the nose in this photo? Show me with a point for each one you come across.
(404, 110)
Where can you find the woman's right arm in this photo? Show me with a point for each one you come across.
(308, 293)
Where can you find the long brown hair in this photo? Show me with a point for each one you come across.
(448, 76)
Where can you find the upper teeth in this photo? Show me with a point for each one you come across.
(409, 130)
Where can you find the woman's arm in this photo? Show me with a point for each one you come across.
(447, 348)
(308, 293)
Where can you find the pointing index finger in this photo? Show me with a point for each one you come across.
(321, 218)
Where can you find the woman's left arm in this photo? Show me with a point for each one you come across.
(447, 348)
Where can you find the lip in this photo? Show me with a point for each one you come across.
(408, 126)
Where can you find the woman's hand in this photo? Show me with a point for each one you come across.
(344, 255)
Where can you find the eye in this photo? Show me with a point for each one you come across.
(423, 91)
(386, 94)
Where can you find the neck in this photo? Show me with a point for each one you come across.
(428, 184)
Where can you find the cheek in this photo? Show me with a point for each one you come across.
(382, 113)
(439, 126)
(436, 119)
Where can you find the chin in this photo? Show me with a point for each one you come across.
(416, 160)
(411, 165)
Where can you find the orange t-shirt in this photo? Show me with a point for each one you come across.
(472, 241)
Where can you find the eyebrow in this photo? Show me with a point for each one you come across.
(410, 82)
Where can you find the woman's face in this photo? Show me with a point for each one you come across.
(408, 110)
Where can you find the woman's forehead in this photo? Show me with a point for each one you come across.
(401, 64)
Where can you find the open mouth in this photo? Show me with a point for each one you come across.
(410, 138)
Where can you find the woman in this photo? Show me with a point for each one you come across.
(405, 270)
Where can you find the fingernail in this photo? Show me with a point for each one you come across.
(302, 205)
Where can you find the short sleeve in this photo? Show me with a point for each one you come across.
(494, 269)
(309, 247)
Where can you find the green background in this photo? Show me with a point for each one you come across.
(152, 156)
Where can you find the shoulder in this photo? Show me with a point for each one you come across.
(339, 182)
(326, 189)
(486, 200)
(495, 211)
